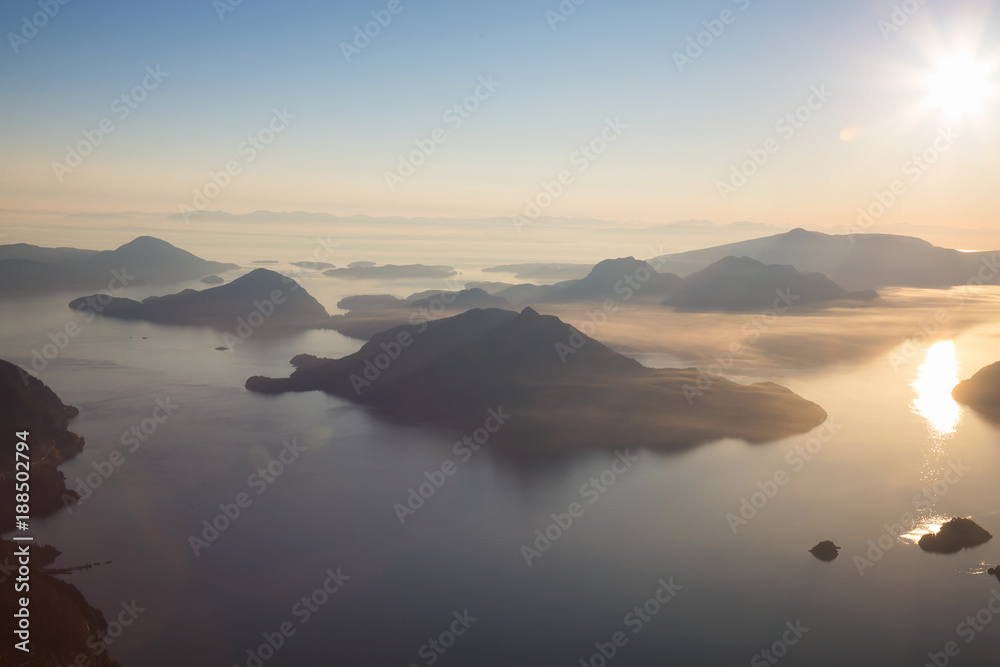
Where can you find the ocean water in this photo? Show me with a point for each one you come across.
(893, 432)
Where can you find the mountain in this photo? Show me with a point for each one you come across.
(368, 315)
(739, 284)
(260, 296)
(855, 262)
(981, 392)
(558, 386)
(30, 270)
(622, 279)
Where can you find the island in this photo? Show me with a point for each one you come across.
(981, 392)
(954, 536)
(261, 299)
(545, 384)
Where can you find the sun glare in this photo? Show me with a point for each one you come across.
(937, 376)
(959, 86)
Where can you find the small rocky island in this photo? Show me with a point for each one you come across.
(825, 551)
(954, 536)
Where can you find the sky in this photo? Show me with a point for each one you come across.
(671, 123)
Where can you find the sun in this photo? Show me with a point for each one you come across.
(959, 86)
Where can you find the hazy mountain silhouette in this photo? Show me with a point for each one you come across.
(221, 307)
(981, 392)
(561, 388)
(858, 262)
(737, 284)
(26, 269)
(542, 271)
(625, 279)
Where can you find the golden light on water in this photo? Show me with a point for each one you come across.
(936, 377)
(931, 524)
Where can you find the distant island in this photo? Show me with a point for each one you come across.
(29, 270)
(368, 315)
(560, 388)
(212, 280)
(261, 298)
(368, 271)
(981, 392)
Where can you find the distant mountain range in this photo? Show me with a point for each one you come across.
(261, 295)
(27, 269)
(858, 262)
(560, 388)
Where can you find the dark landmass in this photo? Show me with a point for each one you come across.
(981, 392)
(742, 284)
(994, 572)
(222, 348)
(266, 261)
(562, 389)
(26, 404)
(212, 280)
(825, 551)
(623, 280)
(368, 315)
(858, 262)
(489, 286)
(61, 619)
(223, 307)
(954, 536)
(541, 271)
(64, 627)
(32, 270)
(315, 266)
(367, 271)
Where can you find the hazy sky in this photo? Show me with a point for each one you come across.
(609, 67)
